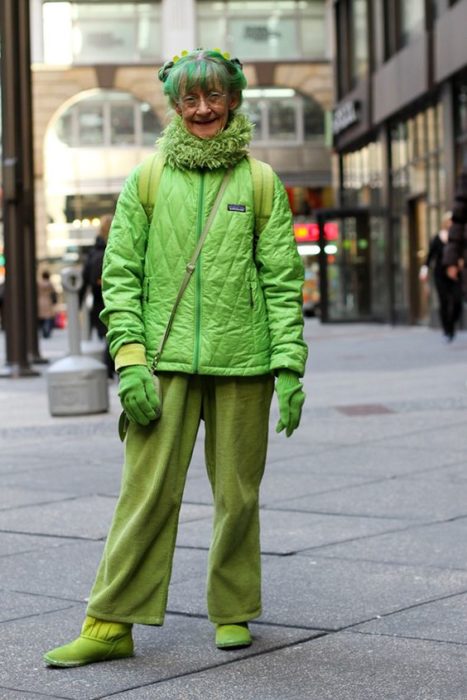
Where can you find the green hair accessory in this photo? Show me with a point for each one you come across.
(164, 71)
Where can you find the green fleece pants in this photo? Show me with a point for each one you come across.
(133, 577)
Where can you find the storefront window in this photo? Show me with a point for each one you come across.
(362, 176)
(101, 32)
(460, 101)
(417, 195)
(262, 30)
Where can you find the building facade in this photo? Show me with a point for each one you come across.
(400, 137)
(98, 106)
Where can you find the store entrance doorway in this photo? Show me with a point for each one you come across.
(344, 257)
(418, 291)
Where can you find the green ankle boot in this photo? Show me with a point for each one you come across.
(98, 641)
(233, 636)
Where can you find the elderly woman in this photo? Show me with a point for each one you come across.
(237, 328)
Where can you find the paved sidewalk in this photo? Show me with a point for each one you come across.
(364, 531)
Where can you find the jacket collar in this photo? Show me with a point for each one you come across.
(183, 150)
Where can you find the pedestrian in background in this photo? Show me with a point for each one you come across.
(455, 253)
(92, 275)
(238, 330)
(46, 300)
(92, 279)
(448, 289)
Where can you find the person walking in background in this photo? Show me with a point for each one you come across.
(92, 275)
(455, 252)
(92, 279)
(237, 331)
(448, 289)
(46, 300)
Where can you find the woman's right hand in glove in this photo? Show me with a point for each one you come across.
(138, 395)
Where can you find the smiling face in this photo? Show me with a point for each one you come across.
(205, 114)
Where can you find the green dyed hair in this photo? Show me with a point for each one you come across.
(204, 69)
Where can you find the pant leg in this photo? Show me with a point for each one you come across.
(443, 299)
(236, 413)
(133, 577)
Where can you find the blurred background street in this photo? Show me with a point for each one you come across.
(364, 523)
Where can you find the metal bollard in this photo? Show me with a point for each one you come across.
(76, 384)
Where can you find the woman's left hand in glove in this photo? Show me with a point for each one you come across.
(291, 398)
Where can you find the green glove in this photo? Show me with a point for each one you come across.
(291, 398)
(138, 395)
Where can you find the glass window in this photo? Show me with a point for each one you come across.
(108, 118)
(101, 32)
(282, 120)
(462, 109)
(151, 127)
(254, 110)
(264, 30)
(283, 115)
(314, 120)
(412, 19)
(90, 125)
(265, 38)
(359, 18)
(64, 129)
(122, 124)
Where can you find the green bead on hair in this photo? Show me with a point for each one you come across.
(205, 70)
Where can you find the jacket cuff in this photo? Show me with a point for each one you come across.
(130, 354)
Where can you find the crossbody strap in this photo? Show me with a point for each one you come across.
(190, 268)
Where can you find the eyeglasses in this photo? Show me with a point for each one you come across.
(212, 99)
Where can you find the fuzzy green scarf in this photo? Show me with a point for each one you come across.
(183, 150)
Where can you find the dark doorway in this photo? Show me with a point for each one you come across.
(345, 255)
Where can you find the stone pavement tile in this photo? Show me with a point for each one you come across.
(286, 532)
(370, 461)
(442, 620)
(65, 572)
(331, 594)
(451, 437)
(87, 517)
(340, 666)
(279, 484)
(8, 694)
(411, 429)
(183, 646)
(14, 606)
(23, 455)
(68, 571)
(84, 480)
(453, 474)
(11, 497)
(416, 498)
(440, 545)
(191, 512)
(11, 543)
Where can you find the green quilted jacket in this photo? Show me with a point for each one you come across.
(241, 313)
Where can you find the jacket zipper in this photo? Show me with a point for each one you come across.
(199, 229)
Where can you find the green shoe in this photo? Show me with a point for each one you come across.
(233, 636)
(98, 641)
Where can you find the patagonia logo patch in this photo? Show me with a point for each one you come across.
(236, 207)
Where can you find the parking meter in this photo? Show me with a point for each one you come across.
(77, 383)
